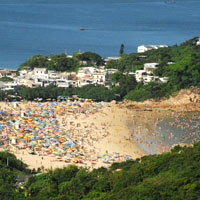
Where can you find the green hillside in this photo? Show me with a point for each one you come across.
(174, 176)
(10, 168)
(181, 63)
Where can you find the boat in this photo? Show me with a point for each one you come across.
(82, 29)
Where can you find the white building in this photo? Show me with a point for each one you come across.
(198, 42)
(150, 68)
(171, 63)
(54, 75)
(148, 78)
(164, 79)
(146, 75)
(40, 72)
(87, 75)
(42, 77)
(12, 85)
(96, 76)
(24, 72)
(83, 82)
(144, 48)
(26, 81)
(64, 83)
(139, 75)
(110, 59)
(99, 78)
(2, 85)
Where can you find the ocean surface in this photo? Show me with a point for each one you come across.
(31, 27)
(160, 131)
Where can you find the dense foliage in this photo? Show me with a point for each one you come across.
(174, 175)
(151, 90)
(6, 79)
(91, 58)
(10, 168)
(98, 93)
(61, 62)
(57, 62)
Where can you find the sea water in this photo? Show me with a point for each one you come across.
(160, 131)
(45, 27)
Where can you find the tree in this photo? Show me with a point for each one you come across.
(121, 52)
(112, 64)
(6, 79)
(35, 61)
(60, 62)
(57, 62)
(90, 58)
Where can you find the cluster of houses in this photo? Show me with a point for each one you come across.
(147, 74)
(42, 77)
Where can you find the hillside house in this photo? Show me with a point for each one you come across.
(2, 85)
(40, 72)
(146, 75)
(25, 81)
(139, 74)
(65, 83)
(150, 68)
(148, 78)
(164, 79)
(144, 48)
(110, 59)
(99, 78)
(198, 42)
(53, 74)
(12, 85)
(8, 73)
(96, 76)
(24, 72)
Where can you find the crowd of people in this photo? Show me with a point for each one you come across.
(159, 131)
(69, 132)
(54, 129)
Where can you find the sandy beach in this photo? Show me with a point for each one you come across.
(90, 134)
(103, 135)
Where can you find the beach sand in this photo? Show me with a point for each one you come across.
(115, 131)
(105, 132)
